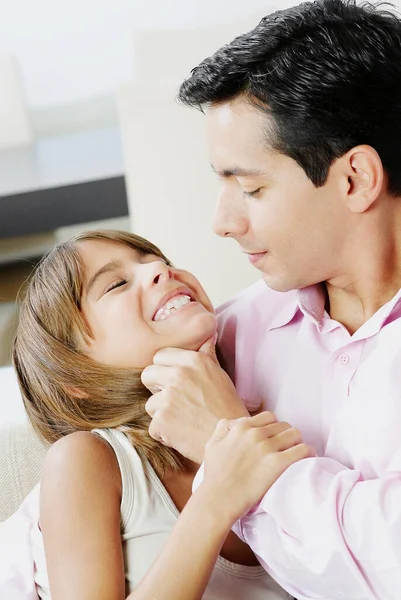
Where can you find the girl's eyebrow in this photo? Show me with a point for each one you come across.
(111, 266)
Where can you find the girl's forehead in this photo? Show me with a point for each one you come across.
(97, 254)
(106, 243)
(93, 249)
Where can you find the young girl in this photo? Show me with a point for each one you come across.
(96, 310)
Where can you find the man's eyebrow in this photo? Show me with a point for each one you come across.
(111, 266)
(238, 172)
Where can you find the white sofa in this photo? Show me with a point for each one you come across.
(21, 452)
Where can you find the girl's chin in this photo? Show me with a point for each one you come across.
(195, 336)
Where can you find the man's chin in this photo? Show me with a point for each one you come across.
(278, 284)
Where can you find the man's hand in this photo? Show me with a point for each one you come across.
(191, 393)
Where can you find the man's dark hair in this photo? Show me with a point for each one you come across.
(328, 72)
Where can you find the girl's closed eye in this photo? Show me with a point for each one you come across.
(115, 285)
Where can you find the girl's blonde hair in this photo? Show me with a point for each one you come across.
(63, 389)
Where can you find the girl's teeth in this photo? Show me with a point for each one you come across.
(177, 302)
(172, 305)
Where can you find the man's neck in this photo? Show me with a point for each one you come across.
(367, 273)
(354, 305)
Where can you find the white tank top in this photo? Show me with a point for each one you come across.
(148, 515)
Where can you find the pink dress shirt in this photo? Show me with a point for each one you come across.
(330, 527)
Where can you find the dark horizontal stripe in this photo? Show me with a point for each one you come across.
(44, 210)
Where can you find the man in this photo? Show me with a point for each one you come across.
(304, 122)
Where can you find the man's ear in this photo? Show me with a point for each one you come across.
(365, 177)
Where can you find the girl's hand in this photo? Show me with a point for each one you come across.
(245, 456)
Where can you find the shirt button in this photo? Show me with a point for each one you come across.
(344, 359)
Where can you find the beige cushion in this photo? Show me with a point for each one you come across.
(21, 460)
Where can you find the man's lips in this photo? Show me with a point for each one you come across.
(255, 257)
(183, 289)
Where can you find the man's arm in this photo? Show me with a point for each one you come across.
(322, 531)
(231, 487)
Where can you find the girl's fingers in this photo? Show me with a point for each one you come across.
(287, 438)
(220, 432)
(260, 420)
(296, 453)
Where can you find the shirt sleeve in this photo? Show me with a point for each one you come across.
(322, 531)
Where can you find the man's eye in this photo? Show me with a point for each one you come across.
(115, 285)
(252, 193)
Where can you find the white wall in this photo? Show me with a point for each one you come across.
(172, 190)
(69, 50)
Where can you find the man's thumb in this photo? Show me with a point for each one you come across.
(209, 347)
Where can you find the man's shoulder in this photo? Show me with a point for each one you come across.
(244, 321)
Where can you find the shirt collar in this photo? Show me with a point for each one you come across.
(287, 313)
(389, 311)
(310, 301)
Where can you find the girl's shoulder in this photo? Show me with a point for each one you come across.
(81, 459)
(79, 518)
(78, 446)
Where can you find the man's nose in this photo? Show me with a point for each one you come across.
(229, 219)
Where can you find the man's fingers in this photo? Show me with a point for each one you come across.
(156, 377)
(209, 348)
(173, 357)
(155, 434)
(154, 403)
